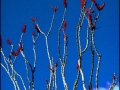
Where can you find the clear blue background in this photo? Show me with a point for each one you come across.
(17, 12)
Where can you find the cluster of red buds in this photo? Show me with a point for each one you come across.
(90, 18)
(37, 29)
(33, 33)
(64, 25)
(24, 28)
(18, 51)
(54, 8)
(55, 66)
(83, 3)
(65, 3)
(64, 28)
(90, 21)
(33, 19)
(97, 5)
(35, 26)
(8, 41)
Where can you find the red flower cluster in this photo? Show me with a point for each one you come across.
(18, 51)
(83, 3)
(64, 25)
(54, 8)
(37, 29)
(97, 5)
(33, 19)
(8, 41)
(65, 3)
(87, 10)
(90, 18)
(101, 7)
(19, 48)
(24, 28)
(33, 33)
(13, 53)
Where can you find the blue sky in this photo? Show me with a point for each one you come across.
(14, 13)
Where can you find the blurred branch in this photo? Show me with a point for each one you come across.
(115, 79)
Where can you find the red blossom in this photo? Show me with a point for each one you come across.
(24, 28)
(13, 53)
(65, 3)
(64, 25)
(33, 19)
(93, 1)
(20, 48)
(83, 3)
(87, 10)
(33, 33)
(100, 7)
(54, 8)
(8, 41)
(90, 20)
(17, 53)
(97, 5)
(37, 29)
(89, 16)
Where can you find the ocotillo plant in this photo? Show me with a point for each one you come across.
(90, 14)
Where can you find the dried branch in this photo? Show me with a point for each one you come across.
(115, 79)
(14, 73)
(64, 58)
(9, 76)
(92, 69)
(51, 24)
